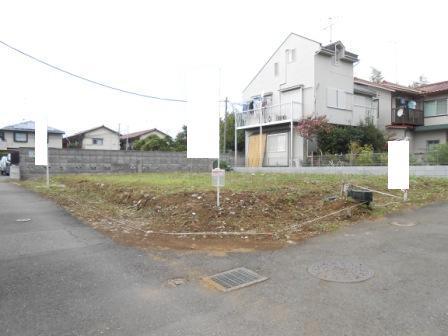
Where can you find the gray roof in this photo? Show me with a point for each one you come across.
(29, 126)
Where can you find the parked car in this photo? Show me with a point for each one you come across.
(5, 163)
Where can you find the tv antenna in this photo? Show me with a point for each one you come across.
(330, 26)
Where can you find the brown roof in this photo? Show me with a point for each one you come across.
(90, 130)
(389, 86)
(140, 133)
(434, 87)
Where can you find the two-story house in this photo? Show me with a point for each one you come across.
(302, 78)
(100, 138)
(419, 114)
(22, 135)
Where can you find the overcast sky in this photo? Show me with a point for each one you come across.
(146, 46)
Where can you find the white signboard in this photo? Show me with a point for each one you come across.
(203, 113)
(398, 165)
(41, 143)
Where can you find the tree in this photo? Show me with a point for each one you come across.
(154, 143)
(339, 139)
(376, 76)
(180, 142)
(309, 127)
(230, 134)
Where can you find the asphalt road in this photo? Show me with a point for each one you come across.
(60, 277)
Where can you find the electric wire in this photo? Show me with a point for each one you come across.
(91, 81)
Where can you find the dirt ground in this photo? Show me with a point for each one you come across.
(246, 220)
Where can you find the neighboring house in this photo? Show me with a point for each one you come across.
(303, 78)
(100, 137)
(128, 140)
(420, 114)
(22, 135)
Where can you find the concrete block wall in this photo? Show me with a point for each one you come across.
(73, 161)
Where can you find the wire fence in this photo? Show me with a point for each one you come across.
(371, 159)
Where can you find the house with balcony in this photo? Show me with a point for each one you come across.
(303, 78)
(419, 114)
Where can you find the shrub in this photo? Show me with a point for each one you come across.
(439, 155)
(222, 164)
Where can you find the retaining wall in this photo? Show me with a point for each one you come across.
(72, 161)
(431, 171)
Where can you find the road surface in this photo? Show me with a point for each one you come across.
(61, 277)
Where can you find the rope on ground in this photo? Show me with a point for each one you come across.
(295, 226)
(204, 233)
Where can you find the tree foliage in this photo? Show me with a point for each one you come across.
(230, 134)
(338, 139)
(309, 127)
(376, 75)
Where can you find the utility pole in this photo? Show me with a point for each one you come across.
(225, 128)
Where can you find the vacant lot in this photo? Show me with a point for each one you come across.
(257, 210)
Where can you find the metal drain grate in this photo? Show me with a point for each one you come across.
(234, 279)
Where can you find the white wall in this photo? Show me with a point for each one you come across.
(300, 72)
(111, 140)
(420, 139)
(337, 76)
(54, 140)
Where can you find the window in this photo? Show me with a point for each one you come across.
(339, 99)
(431, 144)
(276, 69)
(290, 55)
(97, 141)
(20, 137)
(2, 136)
(433, 108)
(277, 142)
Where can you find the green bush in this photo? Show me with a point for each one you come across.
(365, 156)
(439, 155)
(222, 164)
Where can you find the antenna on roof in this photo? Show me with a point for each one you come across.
(329, 27)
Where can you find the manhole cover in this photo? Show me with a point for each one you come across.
(403, 224)
(234, 279)
(340, 271)
(23, 220)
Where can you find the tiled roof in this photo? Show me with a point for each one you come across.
(90, 130)
(434, 87)
(140, 133)
(29, 126)
(389, 86)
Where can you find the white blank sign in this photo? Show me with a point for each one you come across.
(398, 165)
(41, 143)
(203, 114)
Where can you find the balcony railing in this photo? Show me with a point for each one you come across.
(412, 117)
(268, 115)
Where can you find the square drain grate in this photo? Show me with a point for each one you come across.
(234, 279)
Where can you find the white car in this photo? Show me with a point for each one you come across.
(4, 165)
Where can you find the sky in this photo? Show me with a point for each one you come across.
(150, 46)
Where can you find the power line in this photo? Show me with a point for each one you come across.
(87, 79)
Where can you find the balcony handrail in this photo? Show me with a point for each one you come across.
(268, 106)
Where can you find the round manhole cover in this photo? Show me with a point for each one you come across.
(340, 271)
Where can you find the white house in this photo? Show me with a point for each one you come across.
(303, 78)
(419, 114)
(21, 135)
(100, 137)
